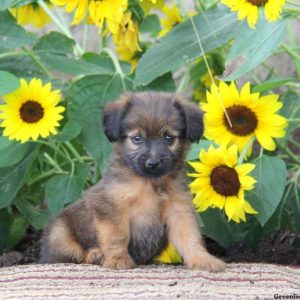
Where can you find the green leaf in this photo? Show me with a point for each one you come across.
(8, 83)
(217, 227)
(89, 95)
(150, 24)
(64, 189)
(70, 131)
(36, 217)
(18, 228)
(12, 178)
(164, 83)
(215, 28)
(291, 110)
(12, 35)
(252, 47)
(56, 52)
(11, 152)
(5, 221)
(271, 84)
(271, 175)
(56, 43)
(5, 4)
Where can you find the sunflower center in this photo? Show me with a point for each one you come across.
(243, 120)
(31, 111)
(225, 181)
(258, 2)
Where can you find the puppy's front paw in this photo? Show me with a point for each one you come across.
(206, 262)
(94, 256)
(119, 262)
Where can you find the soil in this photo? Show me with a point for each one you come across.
(276, 249)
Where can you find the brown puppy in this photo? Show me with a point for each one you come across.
(142, 201)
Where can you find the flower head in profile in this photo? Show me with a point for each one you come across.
(109, 11)
(126, 39)
(31, 14)
(247, 115)
(169, 256)
(221, 183)
(250, 9)
(173, 17)
(31, 111)
(79, 7)
(147, 5)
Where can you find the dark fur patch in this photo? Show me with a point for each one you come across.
(146, 242)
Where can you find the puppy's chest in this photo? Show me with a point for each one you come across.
(147, 230)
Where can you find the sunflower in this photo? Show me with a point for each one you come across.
(169, 256)
(31, 111)
(147, 5)
(173, 17)
(250, 9)
(31, 14)
(126, 40)
(248, 115)
(79, 6)
(220, 182)
(111, 11)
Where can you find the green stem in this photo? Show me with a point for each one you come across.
(290, 154)
(52, 162)
(292, 10)
(36, 59)
(184, 82)
(292, 3)
(261, 152)
(293, 42)
(12, 54)
(246, 150)
(60, 25)
(291, 52)
(46, 175)
(73, 150)
(116, 65)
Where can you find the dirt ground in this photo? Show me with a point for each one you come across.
(276, 249)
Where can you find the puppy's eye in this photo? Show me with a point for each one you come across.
(137, 139)
(169, 139)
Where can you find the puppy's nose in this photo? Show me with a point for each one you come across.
(152, 163)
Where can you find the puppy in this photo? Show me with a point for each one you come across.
(142, 201)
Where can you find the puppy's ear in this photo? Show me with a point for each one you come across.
(112, 116)
(193, 118)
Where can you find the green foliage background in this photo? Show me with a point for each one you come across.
(38, 179)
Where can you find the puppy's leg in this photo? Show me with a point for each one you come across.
(184, 234)
(94, 256)
(59, 245)
(114, 236)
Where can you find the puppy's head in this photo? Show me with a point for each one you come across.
(152, 130)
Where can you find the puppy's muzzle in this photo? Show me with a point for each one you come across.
(152, 164)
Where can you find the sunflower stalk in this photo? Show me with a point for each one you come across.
(74, 151)
(46, 175)
(209, 70)
(52, 162)
(116, 65)
(62, 26)
(36, 59)
(246, 150)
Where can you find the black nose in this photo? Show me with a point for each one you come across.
(152, 163)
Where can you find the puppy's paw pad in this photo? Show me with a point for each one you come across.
(94, 256)
(121, 262)
(207, 263)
